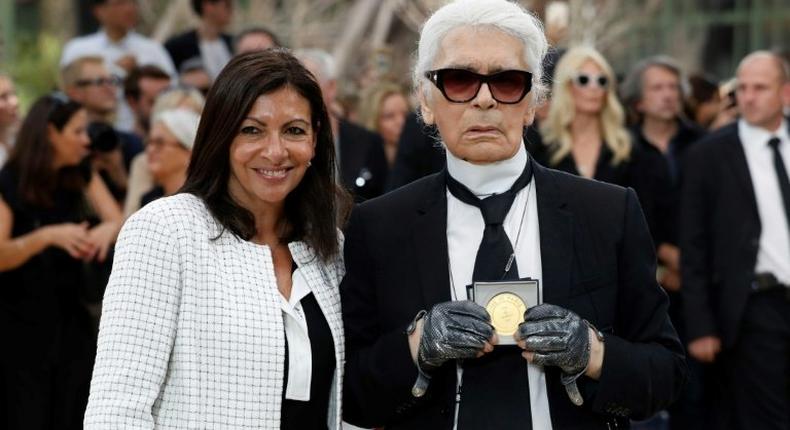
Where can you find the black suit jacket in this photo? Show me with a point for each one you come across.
(184, 46)
(363, 164)
(719, 235)
(598, 263)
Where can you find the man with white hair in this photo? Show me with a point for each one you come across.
(598, 349)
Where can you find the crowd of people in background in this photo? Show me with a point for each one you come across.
(119, 130)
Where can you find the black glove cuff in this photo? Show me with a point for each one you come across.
(423, 379)
(569, 381)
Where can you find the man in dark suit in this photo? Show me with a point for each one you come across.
(735, 250)
(595, 351)
(362, 163)
(208, 41)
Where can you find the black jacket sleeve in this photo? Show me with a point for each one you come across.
(695, 240)
(379, 369)
(644, 367)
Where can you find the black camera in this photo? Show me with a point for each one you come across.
(103, 137)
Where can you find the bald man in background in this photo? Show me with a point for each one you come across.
(735, 250)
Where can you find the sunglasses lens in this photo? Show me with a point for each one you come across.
(459, 85)
(583, 80)
(602, 81)
(509, 86)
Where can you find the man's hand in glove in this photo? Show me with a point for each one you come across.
(554, 336)
(450, 331)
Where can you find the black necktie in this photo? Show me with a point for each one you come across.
(495, 389)
(781, 174)
(495, 250)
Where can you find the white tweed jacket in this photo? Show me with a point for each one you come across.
(192, 334)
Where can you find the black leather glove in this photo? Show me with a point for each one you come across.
(450, 331)
(453, 330)
(558, 337)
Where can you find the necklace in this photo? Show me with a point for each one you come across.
(511, 259)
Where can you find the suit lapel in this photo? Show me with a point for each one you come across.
(733, 153)
(556, 235)
(429, 241)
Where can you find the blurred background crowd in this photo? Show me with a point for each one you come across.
(100, 103)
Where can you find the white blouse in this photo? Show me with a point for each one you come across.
(192, 330)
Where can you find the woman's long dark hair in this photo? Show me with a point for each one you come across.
(33, 155)
(315, 207)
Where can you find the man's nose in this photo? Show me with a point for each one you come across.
(485, 99)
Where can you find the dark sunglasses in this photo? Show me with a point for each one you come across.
(583, 80)
(461, 86)
(111, 81)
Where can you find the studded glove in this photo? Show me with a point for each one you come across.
(453, 330)
(558, 337)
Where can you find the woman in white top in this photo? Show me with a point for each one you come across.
(222, 309)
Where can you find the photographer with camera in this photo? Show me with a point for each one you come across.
(87, 81)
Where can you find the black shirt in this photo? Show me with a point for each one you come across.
(312, 414)
(686, 135)
(151, 195)
(644, 171)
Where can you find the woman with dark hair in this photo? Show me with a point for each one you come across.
(222, 309)
(48, 196)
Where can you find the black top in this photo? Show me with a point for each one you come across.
(644, 171)
(684, 139)
(152, 194)
(312, 414)
(40, 299)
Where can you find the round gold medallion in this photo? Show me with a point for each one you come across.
(507, 312)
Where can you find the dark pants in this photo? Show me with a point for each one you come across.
(756, 371)
(45, 399)
(47, 391)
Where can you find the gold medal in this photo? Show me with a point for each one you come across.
(507, 312)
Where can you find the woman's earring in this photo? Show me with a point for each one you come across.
(309, 163)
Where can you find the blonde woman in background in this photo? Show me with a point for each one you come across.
(9, 116)
(383, 110)
(584, 133)
(140, 179)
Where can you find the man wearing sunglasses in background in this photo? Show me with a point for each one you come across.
(88, 81)
(598, 350)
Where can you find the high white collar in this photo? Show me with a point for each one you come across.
(486, 179)
(755, 135)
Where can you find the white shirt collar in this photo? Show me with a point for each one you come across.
(491, 178)
(754, 135)
(107, 41)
